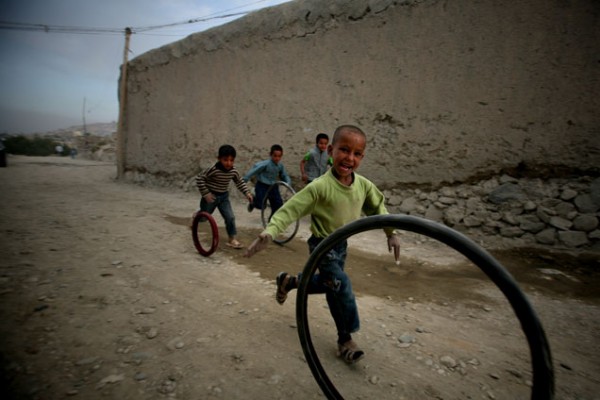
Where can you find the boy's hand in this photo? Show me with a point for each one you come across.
(250, 198)
(260, 243)
(394, 243)
(209, 197)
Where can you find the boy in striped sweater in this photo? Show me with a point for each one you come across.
(213, 185)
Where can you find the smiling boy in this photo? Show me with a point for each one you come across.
(337, 198)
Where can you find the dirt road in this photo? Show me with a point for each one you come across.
(104, 296)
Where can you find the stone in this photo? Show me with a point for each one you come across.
(448, 362)
(506, 192)
(440, 205)
(560, 223)
(453, 216)
(407, 338)
(550, 202)
(434, 214)
(533, 227)
(595, 192)
(474, 204)
(585, 223)
(432, 196)
(471, 221)
(571, 216)
(394, 200)
(408, 205)
(538, 189)
(544, 214)
(509, 218)
(447, 191)
(573, 238)
(568, 194)
(547, 236)
(530, 223)
(564, 208)
(511, 231)
(585, 204)
(494, 224)
(464, 193)
(447, 200)
(420, 210)
(508, 179)
(495, 216)
(152, 333)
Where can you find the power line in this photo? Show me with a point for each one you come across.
(190, 21)
(21, 26)
(202, 19)
(30, 27)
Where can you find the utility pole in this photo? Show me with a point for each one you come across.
(121, 139)
(83, 116)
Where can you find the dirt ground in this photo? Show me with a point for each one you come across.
(103, 295)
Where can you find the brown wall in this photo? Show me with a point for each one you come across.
(446, 90)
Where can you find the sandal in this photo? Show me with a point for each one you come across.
(283, 280)
(350, 352)
(235, 244)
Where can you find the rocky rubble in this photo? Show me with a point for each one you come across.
(561, 213)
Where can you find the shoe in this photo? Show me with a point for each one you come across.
(350, 352)
(250, 207)
(283, 283)
(235, 244)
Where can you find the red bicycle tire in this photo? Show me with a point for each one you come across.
(213, 228)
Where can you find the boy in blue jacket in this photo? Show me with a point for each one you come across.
(267, 172)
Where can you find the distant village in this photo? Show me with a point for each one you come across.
(94, 141)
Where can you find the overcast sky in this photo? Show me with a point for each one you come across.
(46, 78)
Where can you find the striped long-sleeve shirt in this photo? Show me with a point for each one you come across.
(216, 180)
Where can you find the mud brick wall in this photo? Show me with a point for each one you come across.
(447, 91)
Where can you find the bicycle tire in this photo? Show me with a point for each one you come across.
(541, 358)
(266, 211)
(214, 230)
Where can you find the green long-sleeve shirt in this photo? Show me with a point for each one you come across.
(330, 205)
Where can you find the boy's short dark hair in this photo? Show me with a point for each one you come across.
(276, 147)
(347, 128)
(227, 150)
(322, 136)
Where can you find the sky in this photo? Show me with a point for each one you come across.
(54, 80)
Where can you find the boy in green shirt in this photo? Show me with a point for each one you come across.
(334, 200)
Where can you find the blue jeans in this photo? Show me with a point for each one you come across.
(222, 202)
(335, 283)
(275, 200)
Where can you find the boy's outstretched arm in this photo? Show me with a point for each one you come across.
(394, 243)
(260, 243)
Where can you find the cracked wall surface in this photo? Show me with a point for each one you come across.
(447, 91)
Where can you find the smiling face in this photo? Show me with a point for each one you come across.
(347, 151)
(276, 156)
(322, 144)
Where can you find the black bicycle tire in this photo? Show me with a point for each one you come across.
(541, 358)
(265, 220)
(213, 228)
